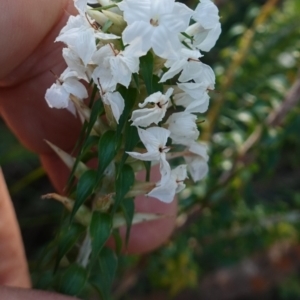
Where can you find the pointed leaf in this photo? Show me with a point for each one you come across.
(128, 211)
(136, 80)
(129, 96)
(107, 148)
(147, 165)
(100, 230)
(73, 280)
(68, 237)
(146, 70)
(97, 109)
(132, 138)
(104, 273)
(157, 87)
(124, 182)
(118, 241)
(85, 187)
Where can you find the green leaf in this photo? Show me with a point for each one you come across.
(128, 211)
(79, 142)
(73, 280)
(157, 87)
(132, 138)
(136, 80)
(107, 148)
(118, 240)
(67, 239)
(147, 165)
(123, 184)
(100, 230)
(85, 187)
(93, 94)
(129, 96)
(146, 70)
(97, 109)
(103, 273)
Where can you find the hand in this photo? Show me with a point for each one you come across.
(28, 29)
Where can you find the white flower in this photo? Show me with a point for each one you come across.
(78, 34)
(102, 74)
(146, 116)
(170, 185)
(204, 39)
(116, 102)
(188, 63)
(154, 24)
(207, 28)
(183, 128)
(75, 63)
(207, 14)
(206, 76)
(154, 139)
(194, 97)
(197, 161)
(114, 67)
(122, 66)
(57, 96)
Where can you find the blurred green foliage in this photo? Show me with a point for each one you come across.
(247, 205)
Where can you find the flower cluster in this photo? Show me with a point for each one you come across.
(105, 44)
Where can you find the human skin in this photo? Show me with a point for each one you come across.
(27, 30)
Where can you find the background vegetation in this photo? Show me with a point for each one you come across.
(238, 230)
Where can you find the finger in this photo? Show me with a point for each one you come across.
(23, 25)
(13, 266)
(22, 103)
(144, 237)
(24, 294)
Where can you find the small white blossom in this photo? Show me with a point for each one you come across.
(197, 161)
(154, 24)
(57, 96)
(203, 39)
(116, 102)
(154, 139)
(183, 128)
(146, 116)
(78, 34)
(207, 28)
(170, 185)
(194, 97)
(197, 71)
(188, 63)
(114, 67)
(102, 74)
(207, 14)
(123, 65)
(75, 63)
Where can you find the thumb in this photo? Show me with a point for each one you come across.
(23, 25)
(13, 266)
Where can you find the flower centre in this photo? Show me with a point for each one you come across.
(154, 22)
